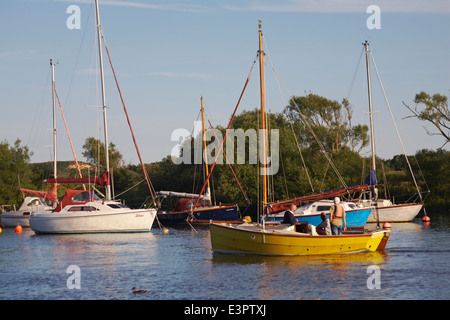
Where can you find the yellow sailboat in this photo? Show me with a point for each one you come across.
(279, 239)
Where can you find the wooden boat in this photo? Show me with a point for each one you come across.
(259, 238)
(83, 211)
(251, 238)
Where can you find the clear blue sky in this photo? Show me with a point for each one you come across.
(169, 53)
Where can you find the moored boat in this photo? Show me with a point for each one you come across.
(81, 211)
(385, 210)
(21, 217)
(203, 213)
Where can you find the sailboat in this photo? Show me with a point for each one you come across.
(37, 201)
(81, 211)
(385, 210)
(188, 210)
(280, 239)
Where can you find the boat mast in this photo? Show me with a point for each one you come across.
(263, 118)
(55, 176)
(108, 186)
(208, 190)
(372, 138)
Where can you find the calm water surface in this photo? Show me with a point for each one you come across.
(180, 265)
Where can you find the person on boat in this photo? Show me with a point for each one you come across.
(289, 215)
(324, 228)
(337, 216)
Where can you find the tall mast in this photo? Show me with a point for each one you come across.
(263, 117)
(204, 146)
(372, 138)
(55, 176)
(108, 186)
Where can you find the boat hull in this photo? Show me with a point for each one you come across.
(126, 220)
(395, 213)
(250, 239)
(202, 215)
(354, 219)
(15, 218)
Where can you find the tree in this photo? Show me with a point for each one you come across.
(436, 112)
(94, 152)
(14, 171)
(327, 121)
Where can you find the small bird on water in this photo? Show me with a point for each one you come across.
(139, 291)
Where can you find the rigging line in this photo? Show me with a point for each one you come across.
(396, 129)
(312, 132)
(70, 140)
(355, 73)
(231, 168)
(226, 132)
(130, 188)
(129, 124)
(77, 59)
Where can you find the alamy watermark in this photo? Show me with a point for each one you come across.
(74, 280)
(74, 20)
(374, 280)
(251, 140)
(374, 20)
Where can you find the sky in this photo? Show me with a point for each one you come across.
(167, 54)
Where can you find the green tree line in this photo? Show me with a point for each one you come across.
(316, 140)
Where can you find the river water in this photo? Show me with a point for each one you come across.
(181, 266)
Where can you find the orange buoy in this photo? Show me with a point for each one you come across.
(387, 225)
(426, 219)
(18, 229)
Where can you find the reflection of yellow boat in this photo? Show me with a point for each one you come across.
(281, 240)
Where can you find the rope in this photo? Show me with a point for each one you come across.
(70, 140)
(129, 124)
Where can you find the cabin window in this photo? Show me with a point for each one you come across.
(323, 208)
(35, 202)
(83, 208)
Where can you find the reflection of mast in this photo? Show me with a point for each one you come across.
(108, 187)
(208, 190)
(263, 118)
